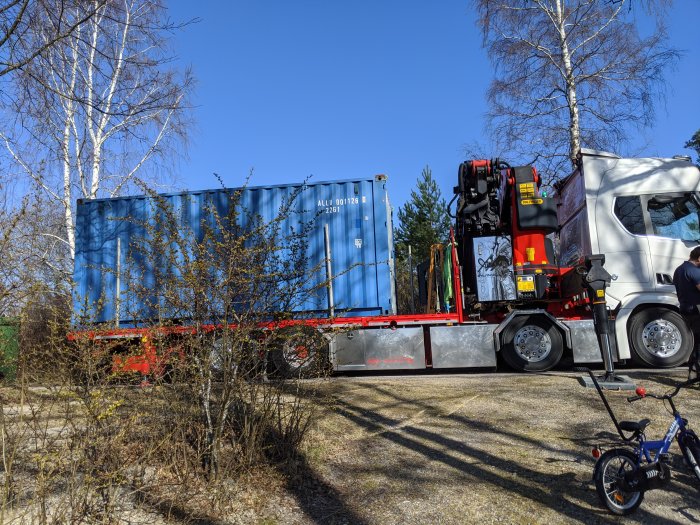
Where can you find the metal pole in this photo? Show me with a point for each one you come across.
(329, 270)
(608, 357)
(117, 295)
(410, 270)
(392, 261)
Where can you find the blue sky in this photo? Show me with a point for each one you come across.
(343, 90)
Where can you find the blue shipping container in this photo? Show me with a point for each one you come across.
(111, 235)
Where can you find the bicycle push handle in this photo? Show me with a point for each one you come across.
(605, 402)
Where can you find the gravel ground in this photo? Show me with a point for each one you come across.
(474, 448)
(458, 449)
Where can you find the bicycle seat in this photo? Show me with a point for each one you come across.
(634, 426)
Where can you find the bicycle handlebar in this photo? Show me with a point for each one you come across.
(628, 439)
(664, 397)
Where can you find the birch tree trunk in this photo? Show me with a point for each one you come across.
(572, 103)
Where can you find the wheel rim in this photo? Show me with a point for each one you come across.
(220, 354)
(296, 354)
(662, 338)
(532, 343)
(613, 472)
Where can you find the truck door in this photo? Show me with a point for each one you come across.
(656, 332)
(622, 238)
(674, 230)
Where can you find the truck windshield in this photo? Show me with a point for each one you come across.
(676, 216)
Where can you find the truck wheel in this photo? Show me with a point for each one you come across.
(660, 338)
(93, 372)
(223, 358)
(300, 351)
(532, 344)
(233, 358)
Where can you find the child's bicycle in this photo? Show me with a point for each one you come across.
(623, 474)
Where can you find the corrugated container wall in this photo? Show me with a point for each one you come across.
(357, 213)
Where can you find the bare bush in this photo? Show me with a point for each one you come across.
(235, 282)
(224, 353)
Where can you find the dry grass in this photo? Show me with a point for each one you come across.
(451, 449)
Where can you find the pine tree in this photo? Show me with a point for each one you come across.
(694, 143)
(424, 219)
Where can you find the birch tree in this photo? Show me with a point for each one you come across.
(99, 105)
(17, 17)
(20, 214)
(569, 74)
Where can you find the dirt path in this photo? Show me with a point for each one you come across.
(478, 448)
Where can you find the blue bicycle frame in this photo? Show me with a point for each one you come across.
(652, 450)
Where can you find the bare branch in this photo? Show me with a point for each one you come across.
(22, 17)
(102, 102)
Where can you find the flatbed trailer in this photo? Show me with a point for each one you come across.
(513, 295)
(382, 342)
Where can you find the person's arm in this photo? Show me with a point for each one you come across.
(694, 277)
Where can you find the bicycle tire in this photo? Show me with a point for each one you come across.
(610, 468)
(690, 446)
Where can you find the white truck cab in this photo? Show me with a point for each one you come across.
(644, 215)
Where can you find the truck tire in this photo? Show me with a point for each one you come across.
(659, 338)
(231, 358)
(299, 351)
(93, 372)
(532, 344)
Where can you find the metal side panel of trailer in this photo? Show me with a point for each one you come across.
(378, 349)
(467, 346)
(454, 346)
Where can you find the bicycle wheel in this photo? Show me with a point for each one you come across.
(690, 445)
(610, 471)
